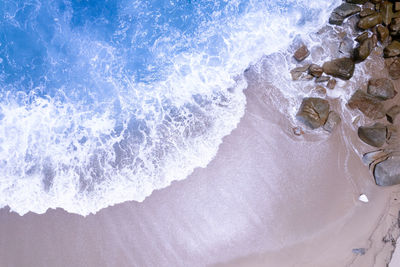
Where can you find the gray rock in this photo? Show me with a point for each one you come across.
(374, 135)
(370, 106)
(392, 113)
(392, 50)
(343, 11)
(387, 172)
(370, 21)
(313, 112)
(332, 122)
(382, 88)
(342, 68)
(336, 19)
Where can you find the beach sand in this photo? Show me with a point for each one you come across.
(269, 198)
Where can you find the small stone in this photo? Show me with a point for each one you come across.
(387, 172)
(313, 112)
(331, 84)
(315, 70)
(320, 90)
(387, 12)
(374, 135)
(298, 72)
(370, 106)
(383, 33)
(301, 53)
(392, 50)
(363, 198)
(394, 69)
(362, 37)
(360, 251)
(322, 79)
(382, 88)
(298, 131)
(392, 113)
(342, 68)
(332, 122)
(370, 21)
(363, 50)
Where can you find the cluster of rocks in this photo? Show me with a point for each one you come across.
(378, 24)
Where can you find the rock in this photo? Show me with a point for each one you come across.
(343, 11)
(394, 69)
(313, 112)
(320, 90)
(370, 106)
(397, 6)
(362, 51)
(374, 135)
(395, 27)
(301, 53)
(315, 70)
(387, 172)
(383, 33)
(358, 2)
(366, 12)
(299, 72)
(322, 79)
(382, 88)
(392, 113)
(332, 121)
(363, 198)
(331, 84)
(342, 68)
(387, 12)
(335, 19)
(392, 50)
(370, 21)
(346, 47)
(362, 37)
(360, 251)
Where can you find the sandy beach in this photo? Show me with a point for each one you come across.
(269, 198)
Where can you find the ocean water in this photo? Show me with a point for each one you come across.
(103, 102)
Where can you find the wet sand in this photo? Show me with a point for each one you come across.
(269, 198)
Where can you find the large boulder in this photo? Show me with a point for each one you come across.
(370, 106)
(392, 50)
(374, 135)
(343, 11)
(313, 112)
(387, 172)
(362, 51)
(382, 88)
(370, 21)
(342, 68)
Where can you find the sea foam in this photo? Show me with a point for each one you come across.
(110, 105)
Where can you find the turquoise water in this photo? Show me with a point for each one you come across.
(104, 101)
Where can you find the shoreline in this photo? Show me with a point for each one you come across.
(247, 206)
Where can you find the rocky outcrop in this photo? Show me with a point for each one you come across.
(342, 68)
(382, 88)
(313, 112)
(387, 172)
(370, 21)
(332, 122)
(370, 106)
(301, 53)
(374, 135)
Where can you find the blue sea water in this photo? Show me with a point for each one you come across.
(105, 101)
